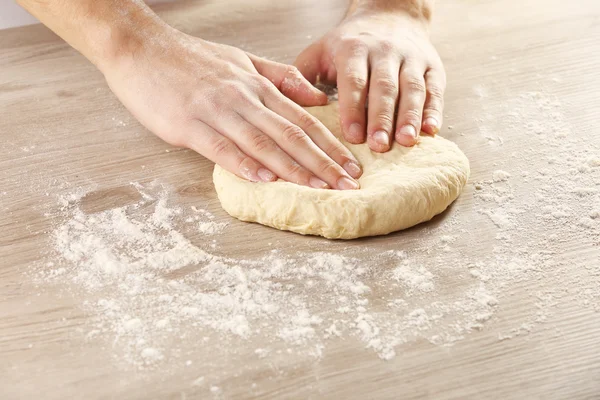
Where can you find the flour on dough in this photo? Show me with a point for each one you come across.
(399, 189)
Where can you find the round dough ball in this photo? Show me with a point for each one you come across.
(399, 189)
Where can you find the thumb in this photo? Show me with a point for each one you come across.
(308, 62)
(290, 82)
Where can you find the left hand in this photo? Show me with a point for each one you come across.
(387, 58)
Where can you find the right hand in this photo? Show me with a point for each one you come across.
(234, 108)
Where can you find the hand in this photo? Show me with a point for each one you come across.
(387, 58)
(232, 108)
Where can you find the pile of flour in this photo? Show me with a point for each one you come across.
(152, 292)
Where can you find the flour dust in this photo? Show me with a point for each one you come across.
(145, 282)
(153, 292)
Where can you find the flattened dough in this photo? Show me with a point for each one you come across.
(399, 189)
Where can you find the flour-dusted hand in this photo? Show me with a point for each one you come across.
(381, 55)
(234, 108)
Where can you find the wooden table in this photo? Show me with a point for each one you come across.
(523, 98)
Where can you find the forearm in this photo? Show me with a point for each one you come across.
(416, 8)
(102, 30)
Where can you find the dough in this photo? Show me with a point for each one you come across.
(399, 189)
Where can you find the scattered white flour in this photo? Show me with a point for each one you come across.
(499, 217)
(540, 209)
(146, 283)
(155, 290)
(500, 176)
(414, 278)
(211, 228)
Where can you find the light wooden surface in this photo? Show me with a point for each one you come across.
(58, 133)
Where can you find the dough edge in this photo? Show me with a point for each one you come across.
(325, 219)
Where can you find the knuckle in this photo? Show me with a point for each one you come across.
(231, 88)
(263, 85)
(357, 81)
(355, 45)
(214, 108)
(386, 85)
(414, 83)
(431, 108)
(384, 119)
(222, 147)
(232, 91)
(291, 70)
(326, 167)
(413, 116)
(352, 111)
(386, 46)
(334, 150)
(435, 91)
(210, 101)
(229, 69)
(295, 170)
(294, 134)
(434, 104)
(307, 121)
(262, 143)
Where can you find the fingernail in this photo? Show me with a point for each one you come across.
(355, 131)
(246, 173)
(353, 169)
(345, 183)
(382, 138)
(265, 175)
(317, 183)
(433, 123)
(408, 130)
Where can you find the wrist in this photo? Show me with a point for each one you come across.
(421, 10)
(103, 31)
(118, 44)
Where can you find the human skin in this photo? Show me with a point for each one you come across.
(238, 110)
(381, 53)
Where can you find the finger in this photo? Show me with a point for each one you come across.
(317, 132)
(308, 62)
(412, 99)
(290, 82)
(296, 143)
(435, 82)
(352, 78)
(383, 95)
(329, 76)
(206, 141)
(265, 150)
(316, 65)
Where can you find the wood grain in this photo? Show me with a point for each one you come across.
(62, 129)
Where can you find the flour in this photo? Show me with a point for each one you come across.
(593, 162)
(500, 176)
(204, 221)
(500, 218)
(210, 228)
(414, 278)
(556, 202)
(145, 283)
(149, 276)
